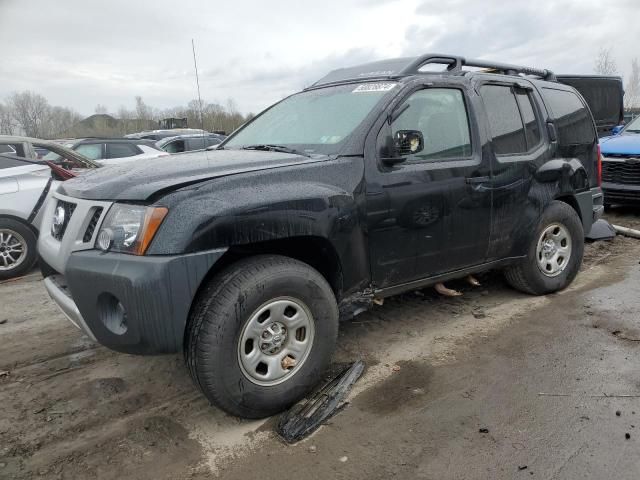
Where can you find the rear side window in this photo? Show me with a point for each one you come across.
(572, 119)
(195, 143)
(531, 126)
(505, 122)
(121, 150)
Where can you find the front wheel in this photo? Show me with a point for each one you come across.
(260, 335)
(554, 255)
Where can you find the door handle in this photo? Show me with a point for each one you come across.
(477, 180)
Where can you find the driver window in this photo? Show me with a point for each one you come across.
(440, 115)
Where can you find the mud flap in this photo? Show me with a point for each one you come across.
(306, 417)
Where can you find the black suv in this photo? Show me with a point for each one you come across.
(376, 180)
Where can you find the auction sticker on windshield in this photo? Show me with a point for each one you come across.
(374, 87)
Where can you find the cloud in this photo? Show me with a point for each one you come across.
(257, 52)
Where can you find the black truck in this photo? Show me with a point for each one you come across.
(375, 180)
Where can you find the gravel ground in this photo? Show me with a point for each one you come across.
(439, 371)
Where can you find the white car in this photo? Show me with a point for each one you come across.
(25, 185)
(110, 151)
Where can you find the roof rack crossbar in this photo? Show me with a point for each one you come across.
(455, 63)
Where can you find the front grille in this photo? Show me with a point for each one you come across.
(88, 234)
(58, 230)
(626, 173)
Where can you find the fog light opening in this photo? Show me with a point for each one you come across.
(112, 314)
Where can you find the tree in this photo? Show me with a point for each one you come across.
(605, 63)
(31, 111)
(632, 89)
(100, 109)
(7, 122)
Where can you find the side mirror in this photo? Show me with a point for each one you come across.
(617, 129)
(408, 142)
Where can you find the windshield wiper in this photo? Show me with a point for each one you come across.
(275, 148)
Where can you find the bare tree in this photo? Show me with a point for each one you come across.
(31, 111)
(100, 109)
(605, 62)
(7, 122)
(632, 89)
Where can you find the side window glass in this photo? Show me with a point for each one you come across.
(504, 119)
(531, 124)
(196, 143)
(92, 151)
(121, 150)
(572, 119)
(440, 115)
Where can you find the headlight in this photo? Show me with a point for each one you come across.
(129, 228)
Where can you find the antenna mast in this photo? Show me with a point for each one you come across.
(195, 65)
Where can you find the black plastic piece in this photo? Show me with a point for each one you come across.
(306, 417)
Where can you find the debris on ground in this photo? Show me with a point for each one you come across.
(306, 417)
(627, 232)
(4, 373)
(478, 314)
(3, 321)
(344, 459)
(601, 230)
(484, 430)
(523, 467)
(313, 449)
(618, 413)
(396, 368)
(627, 436)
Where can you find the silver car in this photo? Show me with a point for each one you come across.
(25, 184)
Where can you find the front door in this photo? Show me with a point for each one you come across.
(430, 213)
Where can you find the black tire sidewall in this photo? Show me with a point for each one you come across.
(562, 213)
(26, 232)
(219, 371)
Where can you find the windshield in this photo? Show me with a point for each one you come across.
(634, 126)
(317, 121)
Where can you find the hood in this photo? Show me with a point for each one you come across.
(139, 180)
(623, 144)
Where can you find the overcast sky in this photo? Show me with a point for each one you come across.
(79, 53)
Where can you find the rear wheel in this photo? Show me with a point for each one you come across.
(17, 248)
(261, 334)
(555, 253)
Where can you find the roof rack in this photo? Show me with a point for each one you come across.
(455, 64)
(399, 67)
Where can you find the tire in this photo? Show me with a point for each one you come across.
(221, 343)
(15, 235)
(537, 274)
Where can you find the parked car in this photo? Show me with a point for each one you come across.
(25, 184)
(110, 151)
(621, 165)
(156, 135)
(376, 180)
(189, 143)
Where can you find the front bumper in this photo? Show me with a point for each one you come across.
(132, 304)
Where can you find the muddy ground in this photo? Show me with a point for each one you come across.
(495, 384)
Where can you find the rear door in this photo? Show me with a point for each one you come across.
(517, 150)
